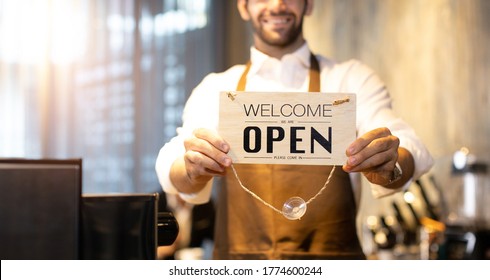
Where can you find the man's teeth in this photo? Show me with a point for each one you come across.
(277, 21)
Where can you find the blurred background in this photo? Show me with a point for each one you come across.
(101, 80)
(106, 81)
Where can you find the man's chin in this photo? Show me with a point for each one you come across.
(278, 38)
(278, 42)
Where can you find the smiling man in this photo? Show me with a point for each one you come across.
(387, 151)
(277, 26)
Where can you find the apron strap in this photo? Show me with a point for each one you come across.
(314, 74)
(243, 79)
(314, 85)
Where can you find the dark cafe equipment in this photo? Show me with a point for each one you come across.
(434, 221)
(43, 215)
(467, 234)
(124, 226)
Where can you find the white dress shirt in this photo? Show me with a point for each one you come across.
(290, 74)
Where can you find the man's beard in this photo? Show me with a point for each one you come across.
(283, 41)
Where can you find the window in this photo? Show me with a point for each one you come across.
(105, 81)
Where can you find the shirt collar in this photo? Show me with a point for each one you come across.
(259, 58)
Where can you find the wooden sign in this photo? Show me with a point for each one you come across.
(288, 128)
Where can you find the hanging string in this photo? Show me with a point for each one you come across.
(271, 206)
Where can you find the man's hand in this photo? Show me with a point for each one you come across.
(205, 157)
(375, 155)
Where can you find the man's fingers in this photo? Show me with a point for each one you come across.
(363, 141)
(213, 138)
(205, 154)
(200, 165)
(383, 149)
(206, 148)
(381, 161)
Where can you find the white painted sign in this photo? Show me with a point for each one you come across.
(288, 128)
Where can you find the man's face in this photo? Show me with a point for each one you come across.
(275, 22)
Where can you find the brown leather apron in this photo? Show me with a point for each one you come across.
(247, 229)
